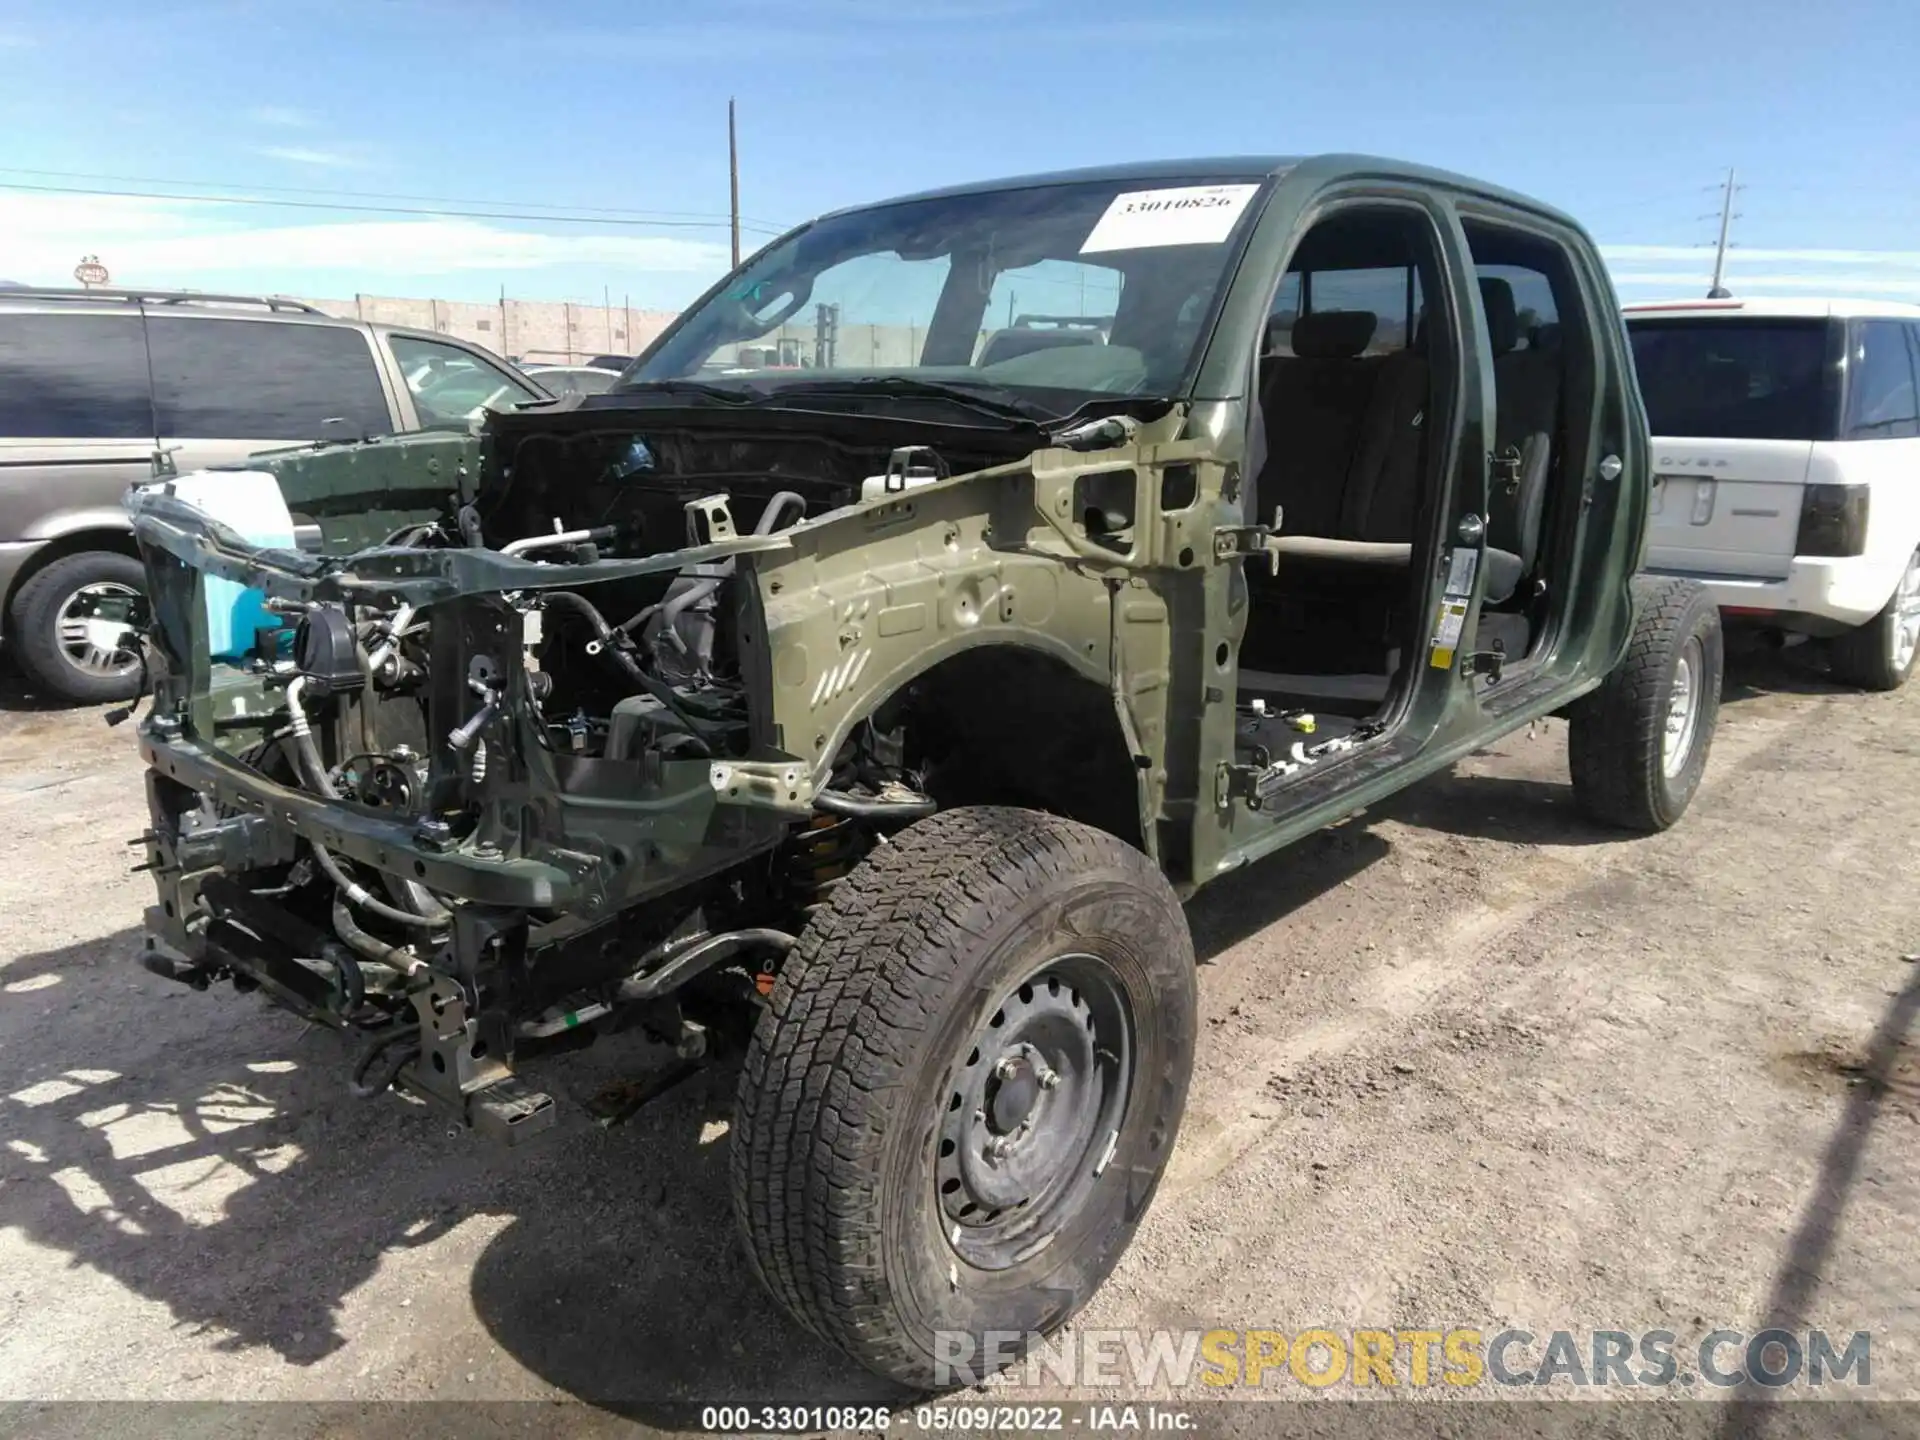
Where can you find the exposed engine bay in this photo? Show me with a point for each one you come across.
(488, 821)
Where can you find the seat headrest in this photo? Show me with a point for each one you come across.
(1333, 334)
(1503, 317)
(1012, 344)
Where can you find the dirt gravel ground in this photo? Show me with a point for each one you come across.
(1465, 1061)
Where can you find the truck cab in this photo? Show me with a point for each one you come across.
(882, 713)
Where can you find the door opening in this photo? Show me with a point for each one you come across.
(1350, 406)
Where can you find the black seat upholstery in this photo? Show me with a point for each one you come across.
(1526, 407)
(1344, 437)
(1314, 403)
(1363, 517)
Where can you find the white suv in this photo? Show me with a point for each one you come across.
(1787, 467)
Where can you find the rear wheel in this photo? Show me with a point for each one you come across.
(70, 623)
(964, 1090)
(1638, 745)
(1880, 654)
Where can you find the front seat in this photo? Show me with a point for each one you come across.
(1012, 344)
(1313, 405)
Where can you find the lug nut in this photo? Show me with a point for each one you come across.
(998, 1146)
(1007, 1068)
(1049, 1079)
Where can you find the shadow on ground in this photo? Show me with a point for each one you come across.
(210, 1159)
(17, 692)
(617, 1279)
(1755, 668)
(1539, 808)
(1880, 1083)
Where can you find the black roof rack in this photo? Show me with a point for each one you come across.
(159, 297)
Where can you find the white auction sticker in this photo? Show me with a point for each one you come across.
(1460, 570)
(1185, 215)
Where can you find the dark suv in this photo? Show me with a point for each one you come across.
(99, 388)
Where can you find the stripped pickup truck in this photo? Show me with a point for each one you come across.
(892, 704)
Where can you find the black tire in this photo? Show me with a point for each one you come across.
(857, 1071)
(1868, 656)
(1616, 736)
(37, 606)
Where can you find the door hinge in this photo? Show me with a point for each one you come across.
(1255, 784)
(1232, 542)
(1504, 469)
(1490, 663)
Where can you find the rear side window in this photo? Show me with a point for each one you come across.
(1536, 312)
(1391, 292)
(1736, 379)
(263, 380)
(452, 385)
(1881, 403)
(73, 377)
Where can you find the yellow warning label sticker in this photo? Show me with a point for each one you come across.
(1446, 632)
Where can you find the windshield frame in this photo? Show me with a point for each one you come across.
(766, 389)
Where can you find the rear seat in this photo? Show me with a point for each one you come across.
(1527, 407)
(1363, 515)
(1314, 403)
(1345, 452)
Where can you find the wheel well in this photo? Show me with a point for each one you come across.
(1001, 725)
(118, 542)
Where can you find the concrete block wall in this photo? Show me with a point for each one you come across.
(545, 330)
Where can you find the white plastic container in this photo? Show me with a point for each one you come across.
(249, 503)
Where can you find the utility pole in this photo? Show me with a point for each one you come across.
(733, 181)
(1719, 291)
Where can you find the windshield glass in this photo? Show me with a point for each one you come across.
(1726, 379)
(1061, 293)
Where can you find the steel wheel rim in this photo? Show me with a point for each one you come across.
(1683, 710)
(92, 625)
(1032, 1111)
(1906, 616)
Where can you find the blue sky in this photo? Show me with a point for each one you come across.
(1626, 113)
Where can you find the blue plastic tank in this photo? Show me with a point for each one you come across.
(249, 503)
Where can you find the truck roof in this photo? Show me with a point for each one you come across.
(1224, 169)
(1767, 307)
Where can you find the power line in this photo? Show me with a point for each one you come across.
(615, 218)
(384, 209)
(773, 226)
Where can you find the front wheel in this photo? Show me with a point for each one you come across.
(1638, 745)
(72, 622)
(1880, 654)
(964, 1090)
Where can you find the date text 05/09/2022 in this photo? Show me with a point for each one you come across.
(1090, 1419)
